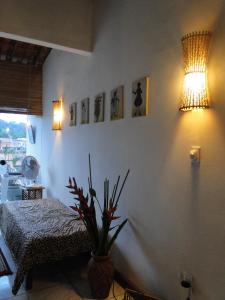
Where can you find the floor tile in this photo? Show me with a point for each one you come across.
(7, 254)
(78, 279)
(121, 297)
(81, 285)
(19, 297)
(62, 292)
(59, 281)
(6, 282)
(116, 290)
(117, 294)
(47, 276)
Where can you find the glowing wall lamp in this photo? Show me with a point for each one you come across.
(57, 115)
(195, 89)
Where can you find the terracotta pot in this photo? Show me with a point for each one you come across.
(100, 275)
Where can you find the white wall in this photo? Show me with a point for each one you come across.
(67, 23)
(176, 212)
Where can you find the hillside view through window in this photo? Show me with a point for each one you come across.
(13, 139)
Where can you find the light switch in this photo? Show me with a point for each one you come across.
(195, 154)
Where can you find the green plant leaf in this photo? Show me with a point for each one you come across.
(92, 192)
(115, 235)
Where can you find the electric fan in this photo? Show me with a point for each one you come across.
(30, 168)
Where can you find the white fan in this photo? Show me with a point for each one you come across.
(30, 168)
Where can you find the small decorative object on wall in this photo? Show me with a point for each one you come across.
(140, 97)
(99, 108)
(85, 111)
(57, 115)
(100, 267)
(195, 93)
(117, 103)
(31, 133)
(73, 114)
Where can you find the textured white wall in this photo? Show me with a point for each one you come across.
(67, 23)
(176, 212)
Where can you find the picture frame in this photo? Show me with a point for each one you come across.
(84, 111)
(99, 108)
(117, 103)
(73, 114)
(140, 97)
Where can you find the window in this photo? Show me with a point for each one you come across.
(13, 139)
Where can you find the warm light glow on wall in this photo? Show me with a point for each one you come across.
(57, 115)
(195, 93)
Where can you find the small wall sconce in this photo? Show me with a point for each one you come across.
(195, 93)
(57, 115)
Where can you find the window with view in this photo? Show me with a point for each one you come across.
(13, 140)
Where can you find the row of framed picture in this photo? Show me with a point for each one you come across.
(140, 104)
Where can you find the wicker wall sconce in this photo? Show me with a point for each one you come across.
(57, 115)
(195, 93)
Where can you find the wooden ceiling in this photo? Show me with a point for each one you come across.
(22, 53)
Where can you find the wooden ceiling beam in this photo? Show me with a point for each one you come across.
(4, 48)
(22, 53)
(14, 50)
(19, 54)
(30, 51)
(27, 53)
(36, 57)
(42, 56)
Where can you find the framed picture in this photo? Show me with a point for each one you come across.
(73, 114)
(116, 104)
(140, 97)
(99, 108)
(31, 133)
(85, 111)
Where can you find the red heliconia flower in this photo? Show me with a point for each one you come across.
(74, 183)
(108, 214)
(73, 192)
(85, 207)
(77, 209)
(69, 186)
(74, 208)
(113, 209)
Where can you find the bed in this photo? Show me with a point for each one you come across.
(39, 231)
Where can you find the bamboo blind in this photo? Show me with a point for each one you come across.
(20, 88)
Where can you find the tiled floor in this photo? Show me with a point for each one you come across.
(63, 281)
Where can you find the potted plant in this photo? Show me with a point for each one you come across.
(100, 269)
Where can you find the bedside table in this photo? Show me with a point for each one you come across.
(32, 192)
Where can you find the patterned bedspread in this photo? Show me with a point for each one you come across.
(38, 231)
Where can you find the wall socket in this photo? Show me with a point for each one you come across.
(186, 285)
